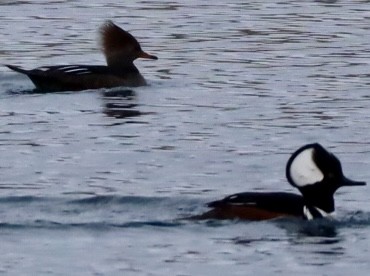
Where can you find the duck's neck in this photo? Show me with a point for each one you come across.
(124, 68)
(319, 196)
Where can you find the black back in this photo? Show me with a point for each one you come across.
(279, 202)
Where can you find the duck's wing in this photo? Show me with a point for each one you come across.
(63, 69)
(81, 77)
(256, 206)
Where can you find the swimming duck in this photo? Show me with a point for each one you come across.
(120, 49)
(314, 171)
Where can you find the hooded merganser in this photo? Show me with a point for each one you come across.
(315, 172)
(120, 49)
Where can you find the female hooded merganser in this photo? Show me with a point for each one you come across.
(315, 172)
(120, 49)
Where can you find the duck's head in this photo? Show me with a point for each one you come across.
(317, 174)
(119, 46)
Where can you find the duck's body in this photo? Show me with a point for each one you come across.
(315, 172)
(256, 206)
(81, 77)
(120, 49)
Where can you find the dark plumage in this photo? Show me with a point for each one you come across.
(314, 171)
(120, 49)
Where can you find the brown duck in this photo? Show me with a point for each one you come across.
(120, 49)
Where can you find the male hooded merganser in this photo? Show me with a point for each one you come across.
(315, 172)
(120, 49)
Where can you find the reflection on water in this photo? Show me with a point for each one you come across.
(120, 104)
(327, 1)
(319, 242)
(121, 111)
(324, 228)
(311, 243)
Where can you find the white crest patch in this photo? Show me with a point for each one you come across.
(303, 170)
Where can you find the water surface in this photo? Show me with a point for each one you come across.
(95, 182)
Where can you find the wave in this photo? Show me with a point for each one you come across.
(102, 226)
(93, 212)
(102, 212)
(112, 199)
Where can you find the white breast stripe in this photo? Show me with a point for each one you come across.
(307, 214)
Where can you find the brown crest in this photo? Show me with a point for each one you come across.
(118, 45)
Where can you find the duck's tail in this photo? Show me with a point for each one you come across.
(16, 69)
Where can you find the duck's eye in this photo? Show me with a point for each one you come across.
(331, 175)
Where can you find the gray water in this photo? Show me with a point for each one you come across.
(95, 182)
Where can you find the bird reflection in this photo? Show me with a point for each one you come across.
(325, 228)
(327, 1)
(322, 229)
(126, 93)
(120, 104)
